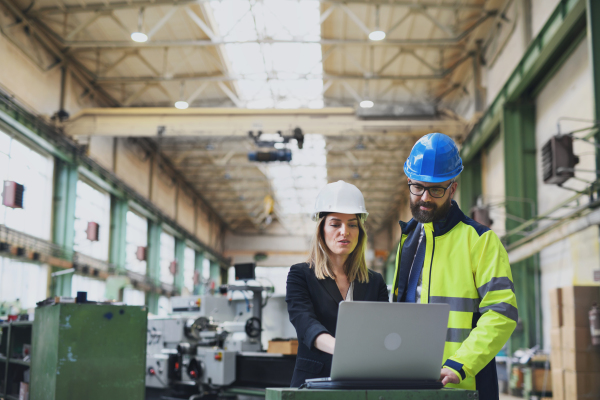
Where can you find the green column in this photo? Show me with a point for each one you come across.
(179, 256)
(118, 229)
(63, 222)
(470, 184)
(153, 264)
(215, 273)
(593, 35)
(198, 266)
(520, 186)
(61, 284)
(224, 275)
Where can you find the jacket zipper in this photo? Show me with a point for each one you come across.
(430, 268)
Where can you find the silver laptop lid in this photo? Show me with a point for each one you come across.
(381, 341)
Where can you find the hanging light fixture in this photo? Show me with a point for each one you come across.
(377, 34)
(139, 36)
(181, 104)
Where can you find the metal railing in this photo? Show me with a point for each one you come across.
(19, 243)
(91, 266)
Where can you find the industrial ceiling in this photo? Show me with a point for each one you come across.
(243, 55)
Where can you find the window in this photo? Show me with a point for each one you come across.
(189, 262)
(134, 297)
(136, 235)
(92, 205)
(22, 284)
(164, 305)
(206, 269)
(167, 255)
(96, 289)
(35, 171)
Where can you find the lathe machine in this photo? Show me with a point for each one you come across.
(212, 343)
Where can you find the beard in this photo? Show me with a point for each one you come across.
(436, 213)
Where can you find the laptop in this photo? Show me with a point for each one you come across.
(384, 342)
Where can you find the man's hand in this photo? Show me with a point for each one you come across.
(448, 376)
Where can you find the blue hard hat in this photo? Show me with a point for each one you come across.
(434, 158)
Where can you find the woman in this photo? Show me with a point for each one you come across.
(336, 270)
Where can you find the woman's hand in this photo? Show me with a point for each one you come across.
(325, 342)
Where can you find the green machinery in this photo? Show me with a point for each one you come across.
(315, 394)
(88, 351)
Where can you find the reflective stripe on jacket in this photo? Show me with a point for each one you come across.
(467, 267)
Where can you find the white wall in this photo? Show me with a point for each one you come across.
(37, 89)
(92, 205)
(35, 171)
(493, 185)
(513, 47)
(540, 12)
(282, 249)
(567, 94)
(22, 283)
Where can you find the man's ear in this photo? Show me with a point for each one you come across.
(453, 190)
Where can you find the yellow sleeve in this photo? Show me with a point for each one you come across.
(498, 307)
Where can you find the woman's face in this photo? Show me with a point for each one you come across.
(341, 233)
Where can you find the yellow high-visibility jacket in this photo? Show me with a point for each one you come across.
(466, 266)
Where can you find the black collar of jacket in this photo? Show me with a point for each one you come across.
(332, 288)
(440, 227)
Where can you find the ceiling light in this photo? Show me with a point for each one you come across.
(366, 104)
(182, 105)
(139, 37)
(377, 35)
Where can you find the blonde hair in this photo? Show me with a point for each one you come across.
(356, 263)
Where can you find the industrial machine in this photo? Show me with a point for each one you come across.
(210, 343)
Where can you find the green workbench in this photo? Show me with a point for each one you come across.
(315, 394)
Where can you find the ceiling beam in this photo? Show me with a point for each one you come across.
(220, 78)
(198, 122)
(193, 179)
(383, 164)
(78, 45)
(231, 78)
(125, 5)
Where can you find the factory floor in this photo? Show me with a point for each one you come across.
(509, 397)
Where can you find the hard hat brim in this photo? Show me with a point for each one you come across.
(363, 215)
(432, 179)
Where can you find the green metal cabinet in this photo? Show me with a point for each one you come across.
(88, 351)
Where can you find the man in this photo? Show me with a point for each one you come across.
(446, 257)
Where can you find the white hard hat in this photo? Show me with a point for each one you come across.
(340, 197)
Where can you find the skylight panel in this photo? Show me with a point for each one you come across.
(282, 71)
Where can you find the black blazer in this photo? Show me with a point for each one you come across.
(313, 309)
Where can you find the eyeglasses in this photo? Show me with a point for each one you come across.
(434, 191)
